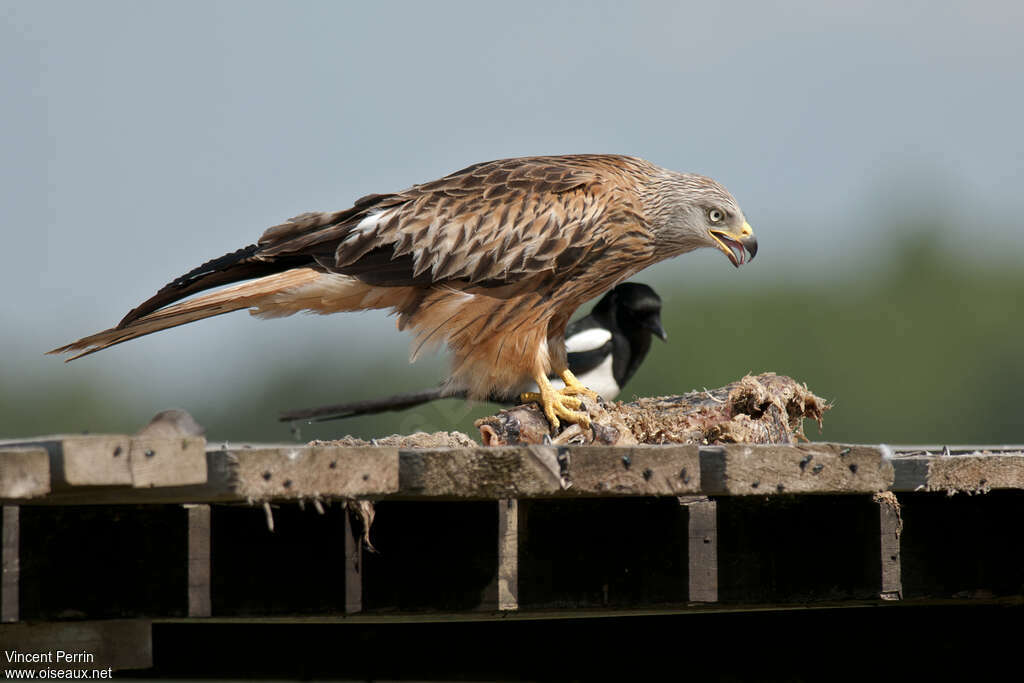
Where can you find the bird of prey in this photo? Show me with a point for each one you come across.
(604, 350)
(491, 261)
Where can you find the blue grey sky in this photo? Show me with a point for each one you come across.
(140, 139)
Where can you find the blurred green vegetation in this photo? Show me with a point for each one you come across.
(923, 347)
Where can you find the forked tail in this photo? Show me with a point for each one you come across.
(251, 294)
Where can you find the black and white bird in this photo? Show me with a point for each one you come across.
(605, 349)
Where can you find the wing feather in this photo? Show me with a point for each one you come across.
(490, 225)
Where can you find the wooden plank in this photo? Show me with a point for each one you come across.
(119, 460)
(969, 473)
(890, 529)
(353, 564)
(548, 471)
(508, 554)
(24, 473)
(807, 468)
(10, 564)
(114, 644)
(282, 473)
(95, 460)
(634, 471)
(84, 459)
(199, 602)
(910, 473)
(167, 461)
(975, 473)
(481, 473)
(958, 449)
(312, 472)
(250, 474)
(702, 551)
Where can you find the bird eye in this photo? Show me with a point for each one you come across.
(715, 216)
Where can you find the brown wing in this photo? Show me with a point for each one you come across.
(489, 225)
(496, 225)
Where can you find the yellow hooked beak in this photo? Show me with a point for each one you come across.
(736, 247)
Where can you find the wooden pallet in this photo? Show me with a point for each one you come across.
(106, 535)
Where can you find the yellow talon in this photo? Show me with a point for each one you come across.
(559, 403)
(574, 387)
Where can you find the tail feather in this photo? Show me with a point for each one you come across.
(234, 267)
(252, 294)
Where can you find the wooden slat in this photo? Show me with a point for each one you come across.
(24, 473)
(114, 644)
(95, 460)
(153, 472)
(10, 564)
(910, 474)
(84, 459)
(481, 473)
(353, 564)
(508, 554)
(807, 468)
(972, 473)
(702, 555)
(162, 461)
(890, 530)
(546, 471)
(119, 460)
(634, 471)
(199, 532)
(976, 473)
(259, 473)
(312, 472)
(958, 449)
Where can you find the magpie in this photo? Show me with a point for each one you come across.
(605, 349)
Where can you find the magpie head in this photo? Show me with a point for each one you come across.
(638, 307)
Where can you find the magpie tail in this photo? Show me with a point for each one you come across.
(371, 406)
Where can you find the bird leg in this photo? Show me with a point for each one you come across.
(558, 403)
(574, 387)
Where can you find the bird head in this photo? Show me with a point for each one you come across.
(638, 307)
(692, 211)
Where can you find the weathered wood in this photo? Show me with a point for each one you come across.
(312, 471)
(199, 583)
(508, 554)
(24, 473)
(115, 644)
(163, 461)
(702, 555)
(910, 474)
(972, 469)
(807, 468)
(975, 473)
(547, 471)
(84, 459)
(117, 460)
(353, 562)
(246, 474)
(640, 470)
(890, 529)
(490, 473)
(10, 564)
